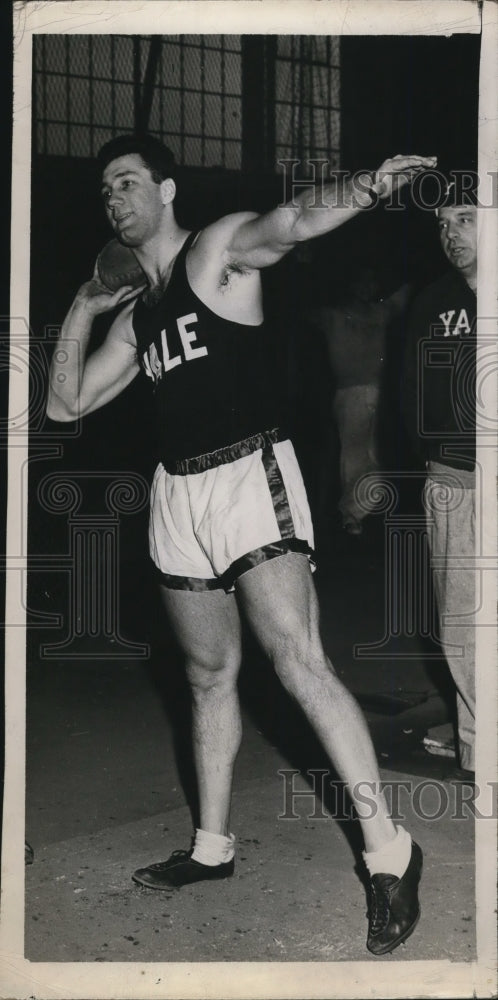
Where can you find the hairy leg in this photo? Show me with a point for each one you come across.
(280, 602)
(207, 626)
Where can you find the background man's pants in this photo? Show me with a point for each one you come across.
(450, 508)
(355, 410)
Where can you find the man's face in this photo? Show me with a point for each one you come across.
(132, 199)
(458, 235)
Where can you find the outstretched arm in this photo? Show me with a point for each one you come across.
(80, 383)
(260, 242)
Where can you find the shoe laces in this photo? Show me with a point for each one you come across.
(379, 904)
(161, 865)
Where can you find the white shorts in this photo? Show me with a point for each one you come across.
(216, 516)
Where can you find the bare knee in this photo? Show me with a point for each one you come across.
(205, 672)
(299, 657)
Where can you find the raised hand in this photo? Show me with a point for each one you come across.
(399, 170)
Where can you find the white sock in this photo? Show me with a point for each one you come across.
(393, 858)
(213, 848)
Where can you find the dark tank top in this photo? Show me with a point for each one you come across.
(213, 379)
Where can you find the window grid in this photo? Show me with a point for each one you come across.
(182, 103)
(307, 103)
(197, 99)
(113, 89)
(91, 93)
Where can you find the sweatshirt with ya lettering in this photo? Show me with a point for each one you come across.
(439, 382)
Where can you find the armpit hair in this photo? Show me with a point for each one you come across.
(233, 268)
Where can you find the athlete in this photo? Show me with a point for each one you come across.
(230, 528)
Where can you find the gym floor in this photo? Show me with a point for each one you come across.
(109, 788)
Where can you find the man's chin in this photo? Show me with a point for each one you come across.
(126, 239)
(461, 262)
(465, 266)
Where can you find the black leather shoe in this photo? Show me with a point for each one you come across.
(180, 869)
(394, 906)
(464, 775)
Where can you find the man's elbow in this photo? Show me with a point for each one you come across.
(60, 412)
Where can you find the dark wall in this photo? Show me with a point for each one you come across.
(400, 95)
(411, 94)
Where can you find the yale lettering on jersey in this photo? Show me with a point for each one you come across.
(451, 327)
(156, 366)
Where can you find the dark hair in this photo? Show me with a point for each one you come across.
(156, 156)
(450, 188)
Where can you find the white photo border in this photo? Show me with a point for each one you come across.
(24, 979)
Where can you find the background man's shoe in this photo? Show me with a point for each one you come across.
(394, 906)
(463, 774)
(180, 869)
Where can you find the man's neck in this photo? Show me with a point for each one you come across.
(158, 255)
(471, 280)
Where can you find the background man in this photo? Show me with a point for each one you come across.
(230, 529)
(356, 334)
(440, 405)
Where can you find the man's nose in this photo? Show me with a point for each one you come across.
(113, 199)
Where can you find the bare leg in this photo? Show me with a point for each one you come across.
(207, 626)
(280, 601)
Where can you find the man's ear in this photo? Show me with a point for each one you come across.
(168, 190)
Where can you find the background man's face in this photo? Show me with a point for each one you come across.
(458, 235)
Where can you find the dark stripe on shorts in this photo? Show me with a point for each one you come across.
(278, 492)
(192, 583)
(266, 552)
(223, 456)
(246, 562)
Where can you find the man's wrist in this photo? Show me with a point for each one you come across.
(83, 308)
(364, 191)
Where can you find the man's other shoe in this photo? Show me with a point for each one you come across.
(180, 869)
(394, 906)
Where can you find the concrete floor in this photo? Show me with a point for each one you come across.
(109, 788)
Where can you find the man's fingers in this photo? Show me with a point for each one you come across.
(128, 292)
(400, 170)
(399, 162)
(121, 293)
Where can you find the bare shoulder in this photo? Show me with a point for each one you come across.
(230, 287)
(217, 238)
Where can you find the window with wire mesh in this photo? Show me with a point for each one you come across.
(197, 99)
(307, 100)
(87, 87)
(83, 92)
